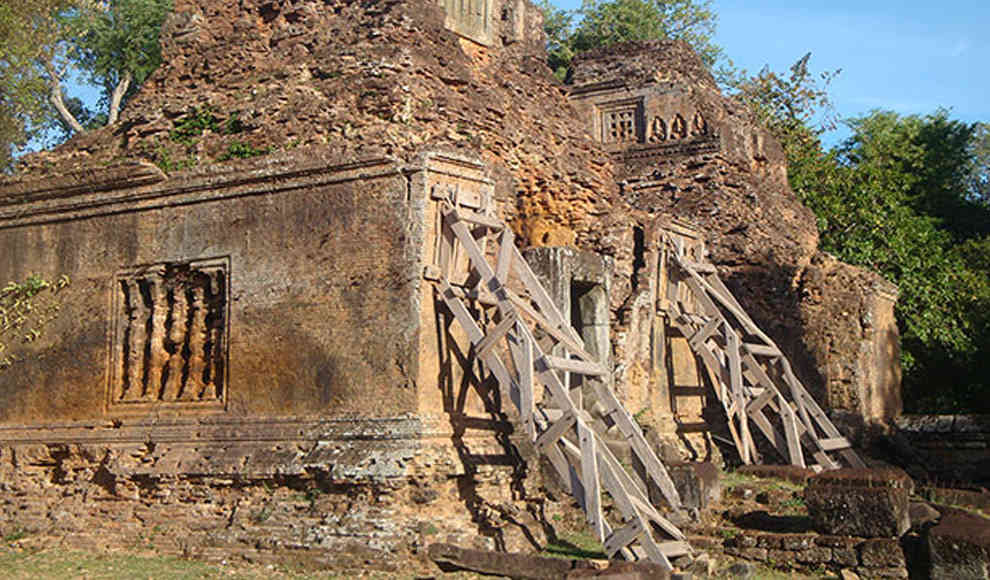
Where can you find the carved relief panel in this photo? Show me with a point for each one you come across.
(169, 336)
(621, 122)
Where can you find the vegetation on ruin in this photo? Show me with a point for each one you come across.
(906, 196)
(601, 23)
(25, 310)
(112, 45)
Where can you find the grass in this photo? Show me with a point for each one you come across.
(59, 564)
(576, 545)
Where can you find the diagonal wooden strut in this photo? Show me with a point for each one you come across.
(512, 328)
(752, 378)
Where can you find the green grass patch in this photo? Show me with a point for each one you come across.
(576, 545)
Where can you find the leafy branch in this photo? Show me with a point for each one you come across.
(25, 310)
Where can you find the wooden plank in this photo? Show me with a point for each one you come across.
(475, 335)
(654, 553)
(495, 335)
(483, 298)
(793, 437)
(675, 549)
(761, 401)
(622, 537)
(650, 513)
(761, 350)
(507, 242)
(834, 443)
(771, 432)
(556, 431)
(446, 250)
(634, 434)
(590, 478)
(473, 217)
(702, 267)
(563, 468)
(524, 364)
(576, 366)
(559, 335)
(698, 338)
(796, 388)
(735, 376)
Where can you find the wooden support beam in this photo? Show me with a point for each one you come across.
(506, 244)
(622, 537)
(495, 335)
(576, 366)
(590, 478)
(761, 349)
(834, 444)
(556, 431)
(478, 219)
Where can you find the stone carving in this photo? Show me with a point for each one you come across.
(678, 127)
(619, 125)
(170, 334)
(699, 126)
(658, 130)
(469, 18)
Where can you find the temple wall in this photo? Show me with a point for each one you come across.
(343, 432)
(273, 292)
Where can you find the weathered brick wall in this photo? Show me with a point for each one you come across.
(870, 558)
(951, 449)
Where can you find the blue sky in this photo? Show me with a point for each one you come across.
(907, 56)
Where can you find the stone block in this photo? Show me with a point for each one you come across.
(845, 556)
(770, 541)
(796, 542)
(959, 547)
(816, 555)
(865, 572)
(697, 483)
(860, 502)
(881, 553)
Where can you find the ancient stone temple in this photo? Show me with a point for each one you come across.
(307, 262)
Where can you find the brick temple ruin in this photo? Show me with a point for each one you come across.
(299, 351)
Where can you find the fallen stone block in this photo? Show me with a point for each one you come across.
(697, 484)
(959, 546)
(533, 567)
(869, 503)
(525, 566)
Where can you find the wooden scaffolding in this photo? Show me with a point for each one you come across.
(512, 325)
(752, 379)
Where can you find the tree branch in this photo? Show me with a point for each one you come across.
(56, 98)
(118, 95)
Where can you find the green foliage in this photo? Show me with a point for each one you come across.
(25, 309)
(192, 125)
(46, 43)
(117, 38)
(29, 34)
(240, 150)
(796, 107)
(603, 23)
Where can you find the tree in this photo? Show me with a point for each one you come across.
(45, 44)
(607, 22)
